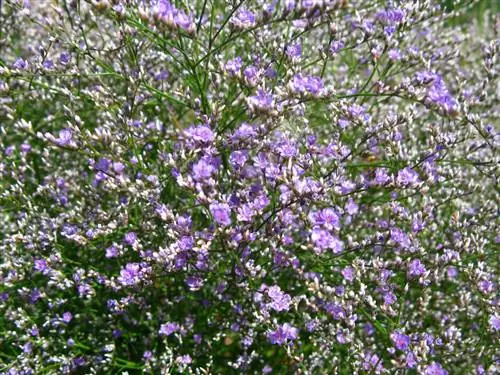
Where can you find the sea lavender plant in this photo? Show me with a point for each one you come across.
(259, 186)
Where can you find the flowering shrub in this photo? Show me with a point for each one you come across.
(247, 187)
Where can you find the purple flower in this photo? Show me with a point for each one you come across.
(400, 340)
(435, 369)
(310, 84)
(263, 101)
(184, 359)
(495, 322)
(400, 237)
(64, 58)
(25, 147)
(394, 54)
(197, 338)
(335, 310)
(66, 317)
(381, 176)
(407, 177)
(389, 30)
(65, 136)
(130, 238)
(439, 94)
(284, 334)
(243, 19)
(294, 50)
(184, 21)
(336, 46)
(389, 298)
(314, 85)
(35, 295)
(164, 11)
(246, 212)
(27, 347)
(323, 240)
(116, 333)
(280, 301)
(111, 252)
(221, 213)
(201, 134)
(132, 274)
(348, 273)
(20, 64)
(351, 207)
(238, 158)
(42, 266)
(102, 164)
(425, 77)
(416, 268)
(372, 362)
(194, 282)
(203, 169)
(186, 243)
(118, 167)
(168, 328)
(245, 131)
(78, 361)
(410, 360)
(330, 218)
(369, 329)
(391, 16)
(251, 74)
(234, 66)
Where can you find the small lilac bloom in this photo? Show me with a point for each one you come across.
(335, 310)
(20, 64)
(294, 50)
(201, 134)
(131, 274)
(284, 334)
(111, 252)
(407, 177)
(184, 21)
(221, 213)
(263, 101)
(280, 300)
(495, 322)
(168, 328)
(118, 167)
(435, 369)
(381, 176)
(351, 207)
(400, 340)
(233, 66)
(389, 298)
(336, 46)
(42, 266)
(330, 218)
(64, 58)
(184, 359)
(186, 243)
(130, 238)
(65, 136)
(348, 273)
(194, 282)
(416, 268)
(203, 170)
(243, 19)
(66, 317)
(400, 237)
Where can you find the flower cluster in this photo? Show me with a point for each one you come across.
(258, 186)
